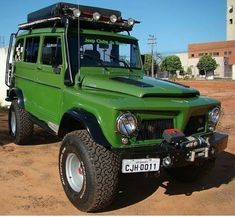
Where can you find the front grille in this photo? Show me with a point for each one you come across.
(153, 129)
(196, 124)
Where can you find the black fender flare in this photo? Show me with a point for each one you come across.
(88, 121)
(15, 93)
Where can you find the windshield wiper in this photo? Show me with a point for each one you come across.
(120, 61)
(96, 59)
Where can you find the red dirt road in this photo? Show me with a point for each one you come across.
(30, 185)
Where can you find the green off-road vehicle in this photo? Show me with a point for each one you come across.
(72, 72)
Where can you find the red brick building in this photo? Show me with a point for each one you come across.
(224, 49)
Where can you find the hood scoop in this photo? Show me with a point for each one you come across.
(145, 87)
(131, 81)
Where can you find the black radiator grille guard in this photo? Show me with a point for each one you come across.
(196, 124)
(153, 129)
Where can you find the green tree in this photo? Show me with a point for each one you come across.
(206, 64)
(189, 71)
(171, 64)
(148, 63)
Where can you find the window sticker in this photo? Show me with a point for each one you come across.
(101, 41)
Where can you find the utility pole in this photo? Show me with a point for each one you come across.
(152, 41)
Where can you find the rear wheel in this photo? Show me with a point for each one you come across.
(88, 172)
(20, 126)
(191, 173)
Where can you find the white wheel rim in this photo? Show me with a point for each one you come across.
(13, 122)
(74, 172)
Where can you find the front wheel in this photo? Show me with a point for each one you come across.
(88, 172)
(191, 173)
(20, 125)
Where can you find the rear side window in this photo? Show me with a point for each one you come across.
(19, 50)
(31, 49)
(51, 51)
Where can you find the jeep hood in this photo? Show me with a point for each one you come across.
(139, 87)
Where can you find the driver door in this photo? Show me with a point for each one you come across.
(50, 71)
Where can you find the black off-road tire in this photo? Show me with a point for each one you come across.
(191, 173)
(20, 125)
(99, 169)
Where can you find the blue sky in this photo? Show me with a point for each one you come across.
(176, 23)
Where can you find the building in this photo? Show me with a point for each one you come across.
(192, 63)
(223, 51)
(230, 22)
(3, 55)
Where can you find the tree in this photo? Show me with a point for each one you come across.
(189, 71)
(148, 63)
(171, 64)
(206, 64)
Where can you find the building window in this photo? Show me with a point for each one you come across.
(230, 52)
(216, 54)
(192, 55)
(230, 9)
(200, 54)
(225, 52)
(230, 21)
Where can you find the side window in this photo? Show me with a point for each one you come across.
(51, 51)
(31, 49)
(19, 46)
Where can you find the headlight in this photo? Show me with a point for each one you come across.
(214, 115)
(126, 124)
(131, 22)
(113, 18)
(96, 16)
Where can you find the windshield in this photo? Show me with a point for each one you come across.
(103, 51)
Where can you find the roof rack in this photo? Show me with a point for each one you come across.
(89, 17)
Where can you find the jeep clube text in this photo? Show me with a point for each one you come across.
(77, 72)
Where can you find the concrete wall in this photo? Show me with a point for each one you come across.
(3, 87)
(192, 62)
(230, 21)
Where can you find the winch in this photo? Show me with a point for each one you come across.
(194, 147)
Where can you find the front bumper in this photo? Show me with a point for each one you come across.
(180, 156)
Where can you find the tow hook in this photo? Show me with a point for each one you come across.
(167, 161)
(200, 152)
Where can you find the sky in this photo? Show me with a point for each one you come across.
(175, 23)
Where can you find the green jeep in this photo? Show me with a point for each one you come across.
(72, 72)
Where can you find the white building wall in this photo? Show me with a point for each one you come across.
(192, 62)
(3, 87)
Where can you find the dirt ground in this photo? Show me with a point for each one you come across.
(30, 185)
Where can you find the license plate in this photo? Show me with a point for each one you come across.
(140, 165)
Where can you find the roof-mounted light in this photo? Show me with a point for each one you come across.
(131, 22)
(96, 16)
(77, 13)
(113, 18)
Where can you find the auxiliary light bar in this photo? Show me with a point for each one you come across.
(89, 17)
